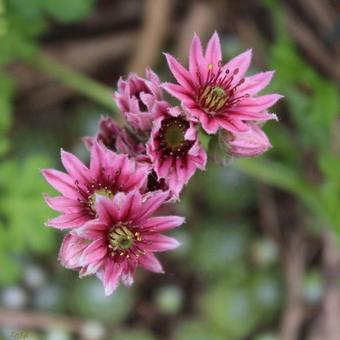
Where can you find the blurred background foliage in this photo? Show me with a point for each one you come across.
(260, 255)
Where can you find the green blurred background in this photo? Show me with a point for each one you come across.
(260, 257)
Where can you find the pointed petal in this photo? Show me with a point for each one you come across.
(74, 166)
(239, 65)
(111, 276)
(180, 73)
(92, 230)
(94, 252)
(68, 221)
(131, 206)
(197, 64)
(162, 223)
(178, 92)
(71, 250)
(160, 243)
(254, 84)
(232, 125)
(107, 210)
(213, 54)
(150, 262)
(63, 204)
(152, 204)
(257, 104)
(61, 182)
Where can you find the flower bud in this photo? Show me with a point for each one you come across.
(253, 142)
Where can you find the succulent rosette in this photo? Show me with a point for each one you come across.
(174, 149)
(121, 238)
(108, 174)
(217, 95)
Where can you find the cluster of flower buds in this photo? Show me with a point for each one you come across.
(107, 207)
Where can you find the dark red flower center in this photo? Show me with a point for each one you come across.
(172, 137)
(216, 94)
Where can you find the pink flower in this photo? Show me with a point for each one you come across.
(253, 142)
(220, 95)
(140, 99)
(80, 187)
(123, 237)
(174, 149)
(116, 139)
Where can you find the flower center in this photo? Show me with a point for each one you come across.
(120, 238)
(171, 136)
(123, 241)
(102, 192)
(213, 98)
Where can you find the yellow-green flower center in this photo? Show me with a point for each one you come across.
(120, 238)
(213, 98)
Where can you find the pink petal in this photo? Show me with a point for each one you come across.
(162, 223)
(197, 64)
(63, 204)
(232, 125)
(91, 268)
(178, 92)
(94, 252)
(71, 250)
(152, 204)
(61, 182)
(210, 125)
(97, 162)
(254, 84)
(240, 63)
(180, 73)
(68, 221)
(150, 262)
(111, 276)
(256, 104)
(74, 166)
(107, 210)
(91, 230)
(131, 206)
(213, 54)
(160, 243)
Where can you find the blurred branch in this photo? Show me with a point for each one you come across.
(156, 23)
(311, 44)
(78, 81)
(41, 321)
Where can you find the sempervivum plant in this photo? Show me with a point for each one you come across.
(107, 207)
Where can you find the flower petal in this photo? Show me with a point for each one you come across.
(158, 243)
(71, 250)
(150, 262)
(239, 65)
(91, 230)
(197, 64)
(111, 276)
(74, 166)
(213, 54)
(62, 204)
(180, 73)
(254, 84)
(162, 223)
(66, 221)
(94, 252)
(61, 182)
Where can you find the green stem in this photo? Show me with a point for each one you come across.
(77, 81)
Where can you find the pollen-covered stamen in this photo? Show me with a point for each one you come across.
(216, 94)
(172, 137)
(123, 241)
